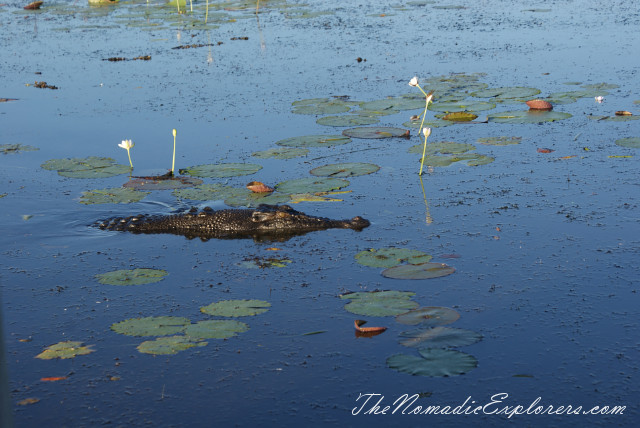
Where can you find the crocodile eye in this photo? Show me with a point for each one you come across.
(282, 214)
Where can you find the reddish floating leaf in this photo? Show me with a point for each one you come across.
(539, 105)
(33, 6)
(543, 150)
(258, 187)
(359, 323)
(53, 378)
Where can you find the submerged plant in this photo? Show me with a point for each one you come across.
(426, 131)
(128, 145)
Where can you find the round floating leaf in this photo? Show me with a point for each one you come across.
(7, 149)
(529, 116)
(480, 160)
(379, 303)
(421, 271)
(378, 295)
(600, 86)
(151, 326)
(443, 147)
(433, 362)
(281, 153)
(207, 192)
(389, 257)
(222, 170)
(91, 167)
(460, 116)
(141, 183)
(452, 107)
(311, 185)
(439, 337)
(215, 329)
(321, 106)
(394, 104)
(347, 120)
(506, 93)
(64, 350)
(168, 345)
(249, 199)
(499, 141)
(236, 308)
(314, 141)
(131, 277)
(115, 195)
(430, 316)
(345, 169)
(434, 123)
(376, 132)
(631, 142)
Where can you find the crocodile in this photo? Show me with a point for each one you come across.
(266, 222)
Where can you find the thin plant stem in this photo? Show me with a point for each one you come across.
(191, 3)
(178, 5)
(129, 154)
(429, 220)
(424, 151)
(257, 6)
(206, 15)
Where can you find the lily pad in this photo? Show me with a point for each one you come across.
(314, 141)
(311, 185)
(65, 350)
(321, 106)
(345, 169)
(114, 195)
(207, 192)
(631, 142)
(421, 271)
(460, 116)
(222, 170)
(434, 123)
(442, 147)
(131, 277)
(91, 167)
(281, 153)
(518, 92)
(141, 183)
(452, 107)
(528, 116)
(439, 337)
(480, 160)
(389, 257)
(215, 329)
(430, 316)
(249, 199)
(168, 345)
(499, 141)
(376, 132)
(433, 363)
(347, 120)
(7, 149)
(151, 326)
(314, 197)
(236, 308)
(379, 303)
(600, 86)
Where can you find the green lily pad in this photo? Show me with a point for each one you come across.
(215, 329)
(345, 169)
(91, 167)
(439, 337)
(321, 106)
(421, 271)
(207, 192)
(600, 86)
(394, 104)
(376, 132)
(442, 147)
(151, 326)
(7, 149)
(249, 199)
(506, 93)
(625, 118)
(65, 350)
(131, 277)
(528, 116)
(222, 170)
(281, 153)
(140, 183)
(311, 185)
(452, 107)
(460, 116)
(379, 303)
(347, 120)
(499, 141)
(631, 142)
(236, 308)
(430, 316)
(480, 160)
(314, 141)
(168, 345)
(389, 257)
(433, 363)
(114, 195)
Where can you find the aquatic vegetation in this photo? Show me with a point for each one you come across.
(430, 316)
(128, 145)
(350, 169)
(151, 326)
(433, 363)
(137, 276)
(426, 132)
(114, 195)
(90, 167)
(379, 303)
(311, 185)
(222, 170)
(170, 345)
(419, 271)
(376, 132)
(499, 141)
(65, 350)
(389, 257)
(215, 329)
(173, 162)
(7, 149)
(281, 153)
(314, 141)
(236, 308)
(439, 337)
(527, 116)
(630, 142)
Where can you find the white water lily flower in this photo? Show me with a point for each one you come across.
(126, 144)
(414, 81)
(429, 97)
(426, 131)
(599, 99)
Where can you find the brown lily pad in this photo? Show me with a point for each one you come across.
(259, 187)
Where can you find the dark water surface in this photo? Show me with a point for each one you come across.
(548, 268)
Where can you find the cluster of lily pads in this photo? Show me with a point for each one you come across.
(176, 334)
(431, 338)
(403, 263)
